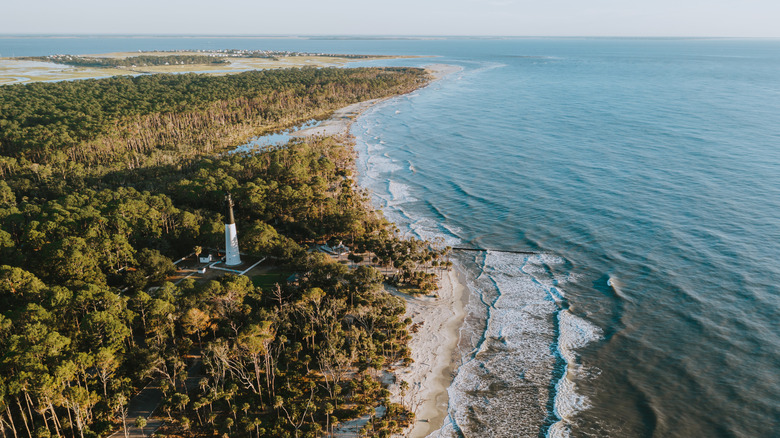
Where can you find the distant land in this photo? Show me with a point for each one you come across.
(226, 61)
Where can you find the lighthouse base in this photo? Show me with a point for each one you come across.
(232, 257)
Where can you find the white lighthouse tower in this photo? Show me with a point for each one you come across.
(232, 257)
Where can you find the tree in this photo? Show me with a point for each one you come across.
(72, 260)
(7, 197)
(195, 321)
(254, 342)
(156, 266)
(106, 364)
(140, 423)
(328, 409)
(18, 287)
(121, 406)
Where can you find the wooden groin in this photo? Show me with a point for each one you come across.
(459, 248)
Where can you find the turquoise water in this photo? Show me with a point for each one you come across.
(645, 174)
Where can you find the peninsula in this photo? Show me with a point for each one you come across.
(110, 185)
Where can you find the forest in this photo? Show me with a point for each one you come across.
(106, 182)
(130, 122)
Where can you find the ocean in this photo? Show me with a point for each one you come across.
(627, 194)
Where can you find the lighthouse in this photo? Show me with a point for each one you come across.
(232, 257)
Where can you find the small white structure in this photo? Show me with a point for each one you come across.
(232, 257)
(205, 259)
(334, 251)
(341, 249)
(326, 249)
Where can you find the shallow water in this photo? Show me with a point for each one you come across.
(277, 138)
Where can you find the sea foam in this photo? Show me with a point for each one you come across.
(518, 327)
(574, 332)
(502, 387)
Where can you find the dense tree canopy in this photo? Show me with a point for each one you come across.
(87, 241)
(130, 121)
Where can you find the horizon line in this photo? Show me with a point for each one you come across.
(364, 36)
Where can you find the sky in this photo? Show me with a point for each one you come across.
(724, 18)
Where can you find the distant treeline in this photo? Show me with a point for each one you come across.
(133, 61)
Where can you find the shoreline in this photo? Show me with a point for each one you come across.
(434, 351)
(434, 347)
(341, 120)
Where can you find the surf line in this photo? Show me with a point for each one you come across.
(459, 248)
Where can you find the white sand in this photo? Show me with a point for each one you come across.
(433, 349)
(339, 122)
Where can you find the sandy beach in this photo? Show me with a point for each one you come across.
(433, 348)
(437, 319)
(339, 122)
(341, 119)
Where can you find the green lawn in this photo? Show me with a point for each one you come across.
(266, 281)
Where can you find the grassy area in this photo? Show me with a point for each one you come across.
(268, 280)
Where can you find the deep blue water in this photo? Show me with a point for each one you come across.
(645, 173)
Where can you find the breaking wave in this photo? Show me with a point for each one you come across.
(519, 366)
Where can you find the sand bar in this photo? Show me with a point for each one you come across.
(438, 71)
